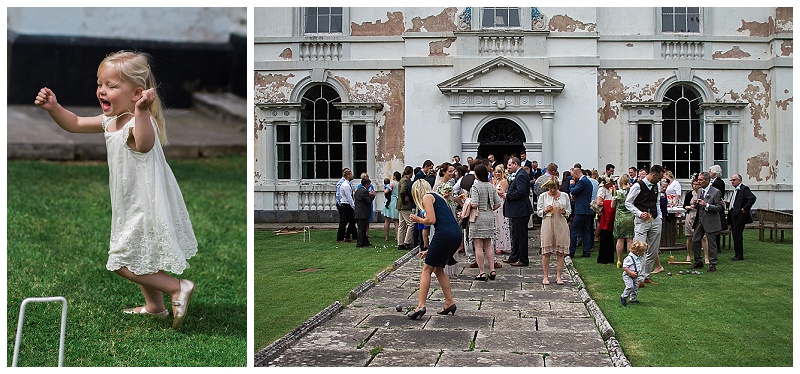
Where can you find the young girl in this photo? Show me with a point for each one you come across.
(150, 228)
(631, 267)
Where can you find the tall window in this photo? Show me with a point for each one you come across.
(324, 20)
(283, 150)
(360, 149)
(682, 132)
(680, 19)
(644, 146)
(721, 142)
(321, 134)
(500, 18)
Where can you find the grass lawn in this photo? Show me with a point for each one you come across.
(739, 316)
(285, 296)
(58, 234)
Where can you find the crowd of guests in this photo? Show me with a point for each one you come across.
(485, 207)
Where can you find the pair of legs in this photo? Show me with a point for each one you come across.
(154, 286)
(622, 244)
(347, 223)
(650, 233)
(546, 267)
(581, 225)
(425, 285)
(405, 233)
(690, 253)
(483, 248)
(386, 227)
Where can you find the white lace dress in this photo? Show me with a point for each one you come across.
(150, 227)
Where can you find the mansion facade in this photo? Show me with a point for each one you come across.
(376, 89)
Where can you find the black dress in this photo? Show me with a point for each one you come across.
(446, 238)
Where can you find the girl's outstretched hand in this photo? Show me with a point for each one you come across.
(46, 99)
(148, 96)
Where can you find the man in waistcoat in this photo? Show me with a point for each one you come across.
(643, 202)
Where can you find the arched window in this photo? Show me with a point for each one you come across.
(321, 134)
(682, 131)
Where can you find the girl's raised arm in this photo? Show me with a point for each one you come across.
(68, 121)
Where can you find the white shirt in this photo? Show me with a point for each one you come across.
(635, 189)
(347, 194)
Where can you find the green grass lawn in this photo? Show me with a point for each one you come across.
(58, 233)
(285, 297)
(739, 316)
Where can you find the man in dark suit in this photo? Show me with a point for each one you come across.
(739, 213)
(518, 209)
(708, 204)
(717, 182)
(363, 199)
(580, 191)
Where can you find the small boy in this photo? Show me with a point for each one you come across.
(631, 267)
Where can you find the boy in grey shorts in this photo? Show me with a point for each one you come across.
(631, 267)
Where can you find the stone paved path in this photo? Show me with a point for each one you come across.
(511, 321)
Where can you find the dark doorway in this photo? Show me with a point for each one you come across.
(500, 137)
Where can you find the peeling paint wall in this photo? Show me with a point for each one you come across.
(784, 19)
(757, 164)
(273, 88)
(787, 47)
(565, 23)
(444, 21)
(437, 47)
(387, 88)
(286, 54)
(755, 28)
(611, 92)
(394, 25)
(734, 52)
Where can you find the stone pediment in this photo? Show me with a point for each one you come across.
(501, 75)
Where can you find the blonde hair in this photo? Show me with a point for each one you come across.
(134, 68)
(500, 169)
(552, 182)
(638, 247)
(624, 180)
(418, 191)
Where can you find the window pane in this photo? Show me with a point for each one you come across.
(307, 151)
(360, 166)
(697, 131)
(283, 152)
(669, 165)
(682, 170)
(359, 133)
(311, 11)
(322, 169)
(720, 132)
(324, 11)
(643, 151)
(694, 24)
(334, 168)
(321, 132)
(488, 17)
(669, 151)
(668, 131)
(336, 153)
(307, 132)
(680, 9)
(338, 10)
(308, 170)
(283, 170)
(322, 152)
(666, 23)
(682, 130)
(680, 24)
(324, 24)
(311, 24)
(359, 151)
(721, 151)
(282, 133)
(645, 133)
(696, 151)
(336, 23)
(513, 17)
(335, 131)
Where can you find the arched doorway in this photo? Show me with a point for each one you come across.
(500, 137)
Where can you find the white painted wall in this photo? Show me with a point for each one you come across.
(210, 25)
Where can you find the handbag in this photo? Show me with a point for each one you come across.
(595, 207)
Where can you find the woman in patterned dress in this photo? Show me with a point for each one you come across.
(502, 233)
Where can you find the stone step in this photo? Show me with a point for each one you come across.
(225, 107)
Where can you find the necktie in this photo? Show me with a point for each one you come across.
(733, 198)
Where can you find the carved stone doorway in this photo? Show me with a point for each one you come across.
(500, 137)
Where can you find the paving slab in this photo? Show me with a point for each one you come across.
(513, 321)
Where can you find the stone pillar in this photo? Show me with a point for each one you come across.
(265, 152)
(633, 144)
(657, 146)
(455, 134)
(347, 145)
(733, 149)
(371, 170)
(708, 151)
(547, 138)
(294, 137)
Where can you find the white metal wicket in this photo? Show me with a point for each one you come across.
(63, 325)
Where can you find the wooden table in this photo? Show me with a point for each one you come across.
(669, 231)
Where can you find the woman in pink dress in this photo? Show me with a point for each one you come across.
(502, 232)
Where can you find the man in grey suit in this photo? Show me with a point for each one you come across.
(708, 204)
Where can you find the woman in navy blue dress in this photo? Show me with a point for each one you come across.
(442, 247)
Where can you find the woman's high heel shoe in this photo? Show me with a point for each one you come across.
(448, 310)
(481, 277)
(417, 313)
(492, 275)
